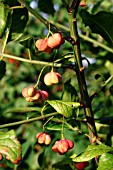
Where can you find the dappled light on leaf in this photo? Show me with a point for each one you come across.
(67, 109)
(10, 146)
(106, 162)
(91, 152)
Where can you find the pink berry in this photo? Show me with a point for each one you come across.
(62, 147)
(29, 91)
(55, 40)
(42, 45)
(70, 143)
(54, 148)
(52, 78)
(81, 165)
(43, 138)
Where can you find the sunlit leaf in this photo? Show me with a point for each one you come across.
(65, 108)
(3, 17)
(105, 162)
(101, 23)
(10, 146)
(91, 152)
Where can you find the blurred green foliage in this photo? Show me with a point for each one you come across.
(18, 75)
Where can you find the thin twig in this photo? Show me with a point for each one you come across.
(100, 89)
(46, 22)
(75, 5)
(35, 61)
(85, 37)
(28, 121)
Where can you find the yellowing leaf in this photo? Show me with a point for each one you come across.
(10, 146)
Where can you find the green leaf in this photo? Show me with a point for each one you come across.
(91, 152)
(101, 23)
(69, 93)
(25, 147)
(19, 20)
(109, 66)
(2, 69)
(27, 41)
(55, 126)
(4, 11)
(65, 108)
(106, 162)
(10, 146)
(46, 6)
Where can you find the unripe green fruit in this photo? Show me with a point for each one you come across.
(55, 40)
(52, 78)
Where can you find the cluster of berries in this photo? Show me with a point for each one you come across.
(61, 146)
(33, 95)
(52, 78)
(38, 96)
(48, 44)
(43, 138)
